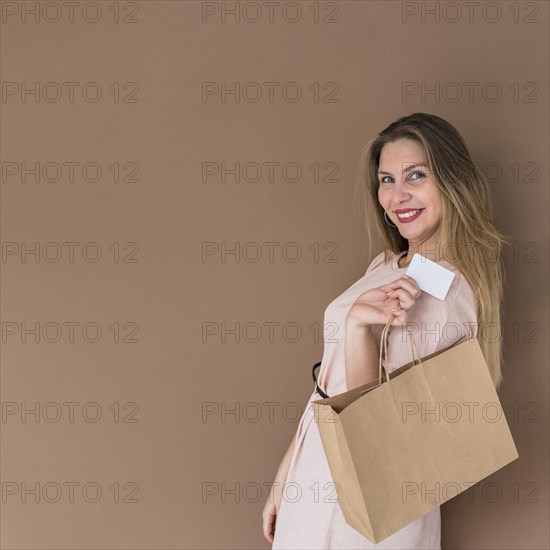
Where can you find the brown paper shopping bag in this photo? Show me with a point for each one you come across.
(399, 448)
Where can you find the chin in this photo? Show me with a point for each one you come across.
(412, 235)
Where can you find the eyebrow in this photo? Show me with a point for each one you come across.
(408, 169)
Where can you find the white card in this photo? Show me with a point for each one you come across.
(430, 277)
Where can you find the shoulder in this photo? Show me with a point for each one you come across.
(379, 260)
(458, 311)
(435, 324)
(460, 290)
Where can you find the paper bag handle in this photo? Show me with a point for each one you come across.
(384, 345)
(384, 339)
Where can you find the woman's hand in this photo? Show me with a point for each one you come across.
(271, 507)
(270, 512)
(375, 306)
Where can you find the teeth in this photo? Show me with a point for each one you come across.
(409, 214)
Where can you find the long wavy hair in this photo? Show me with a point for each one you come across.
(466, 229)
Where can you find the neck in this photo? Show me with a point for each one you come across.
(428, 250)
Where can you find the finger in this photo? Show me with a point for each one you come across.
(386, 288)
(402, 295)
(413, 284)
(412, 288)
(398, 316)
(407, 280)
(403, 303)
(399, 313)
(268, 528)
(399, 321)
(272, 526)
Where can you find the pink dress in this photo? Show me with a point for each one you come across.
(310, 516)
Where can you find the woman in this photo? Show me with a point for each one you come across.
(419, 186)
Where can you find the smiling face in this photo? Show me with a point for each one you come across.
(405, 184)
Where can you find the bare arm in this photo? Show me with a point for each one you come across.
(375, 306)
(361, 353)
(282, 471)
(271, 507)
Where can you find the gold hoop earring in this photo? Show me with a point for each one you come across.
(385, 217)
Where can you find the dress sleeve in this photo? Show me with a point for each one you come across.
(376, 261)
(435, 324)
(460, 315)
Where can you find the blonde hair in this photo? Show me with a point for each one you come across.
(466, 223)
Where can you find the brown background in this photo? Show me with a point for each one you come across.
(165, 289)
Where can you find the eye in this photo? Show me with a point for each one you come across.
(383, 178)
(422, 176)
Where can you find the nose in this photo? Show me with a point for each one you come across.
(399, 194)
